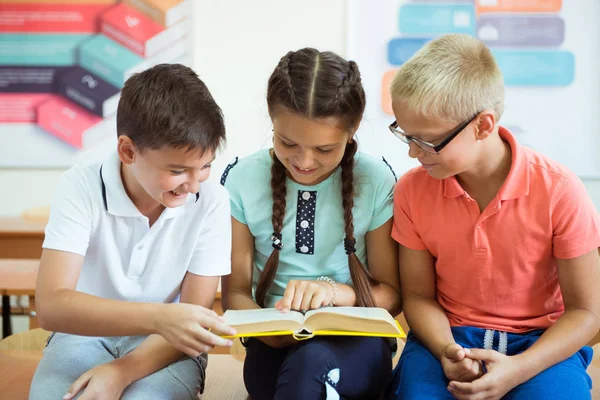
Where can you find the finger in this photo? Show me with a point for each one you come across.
(216, 325)
(210, 339)
(307, 299)
(77, 386)
(482, 354)
(317, 301)
(458, 395)
(288, 296)
(455, 352)
(480, 385)
(298, 296)
(208, 312)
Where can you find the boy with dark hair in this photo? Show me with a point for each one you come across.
(125, 238)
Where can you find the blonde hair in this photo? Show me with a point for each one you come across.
(450, 78)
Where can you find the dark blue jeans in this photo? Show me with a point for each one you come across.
(419, 374)
(301, 371)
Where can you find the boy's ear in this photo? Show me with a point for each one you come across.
(486, 124)
(126, 149)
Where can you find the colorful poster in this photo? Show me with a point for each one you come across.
(548, 51)
(63, 64)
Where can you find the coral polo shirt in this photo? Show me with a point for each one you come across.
(496, 269)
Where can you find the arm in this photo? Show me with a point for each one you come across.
(579, 280)
(237, 287)
(155, 352)
(382, 254)
(424, 315)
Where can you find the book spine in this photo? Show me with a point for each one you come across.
(156, 14)
(40, 49)
(49, 18)
(66, 120)
(18, 107)
(107, 59)
(27, 79)
(86, 90)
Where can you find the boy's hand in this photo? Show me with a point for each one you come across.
(106, 382)
(458, 366)
(186, 327)
(305, 295)
(503, 374)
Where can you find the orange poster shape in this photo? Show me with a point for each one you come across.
(386, 97)
(526, 6)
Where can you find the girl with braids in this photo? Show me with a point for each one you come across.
(311, 228)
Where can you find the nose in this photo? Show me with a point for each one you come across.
(192, 185)
(305, 159)
(414, 151)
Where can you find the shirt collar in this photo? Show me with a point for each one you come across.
(116, 200)
(517, 182)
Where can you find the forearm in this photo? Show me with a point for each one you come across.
(429, 323)
(238, 300)
(573, 330)
(79, 313)
(387, 297)
(152, 355)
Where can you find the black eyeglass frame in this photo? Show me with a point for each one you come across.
(430, 147)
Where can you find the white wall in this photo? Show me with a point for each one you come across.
(237, 45)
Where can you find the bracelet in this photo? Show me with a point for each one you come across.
(334, 287)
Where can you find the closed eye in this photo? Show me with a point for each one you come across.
(177, 172)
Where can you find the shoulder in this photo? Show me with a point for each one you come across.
(241, 171)
(83, 177)
(376, 169)
(416, 180)
(549, 177)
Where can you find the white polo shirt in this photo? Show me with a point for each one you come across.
(124, 258)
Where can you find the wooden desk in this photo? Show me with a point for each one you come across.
(18, 278)
(21, 238)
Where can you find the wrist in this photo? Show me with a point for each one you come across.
(334, 289)
(442, 350)
(127, 369)
(526, 367)
(155, 318)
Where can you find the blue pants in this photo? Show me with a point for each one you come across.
(363, 364)
(419, 374)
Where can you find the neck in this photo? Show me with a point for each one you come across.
(141, 200)
(491, 169)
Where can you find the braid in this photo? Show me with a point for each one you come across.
(284, 69)
(351, 79)
(361, 278)
(278, 177)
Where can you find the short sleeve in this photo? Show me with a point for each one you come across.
(232, 180)
(575, 220)
(384, 196)
(212, 255)
(70, 224)
(404, 230)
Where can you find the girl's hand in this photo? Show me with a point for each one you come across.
(305, 295)
(186, 327)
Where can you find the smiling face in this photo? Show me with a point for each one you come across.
(310, 149)
(457, 157)
(164, 176)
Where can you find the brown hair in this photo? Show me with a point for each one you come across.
(318, 85)
(168, 105)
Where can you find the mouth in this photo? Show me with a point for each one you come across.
(303, 171)
(176, 194)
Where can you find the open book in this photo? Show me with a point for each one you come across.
(335, 321)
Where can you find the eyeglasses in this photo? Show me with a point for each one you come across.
(426, 146)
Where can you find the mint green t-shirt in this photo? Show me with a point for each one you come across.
(313, 227)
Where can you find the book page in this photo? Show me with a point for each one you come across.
(351, 319)
(262, 320)
(357, 312)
